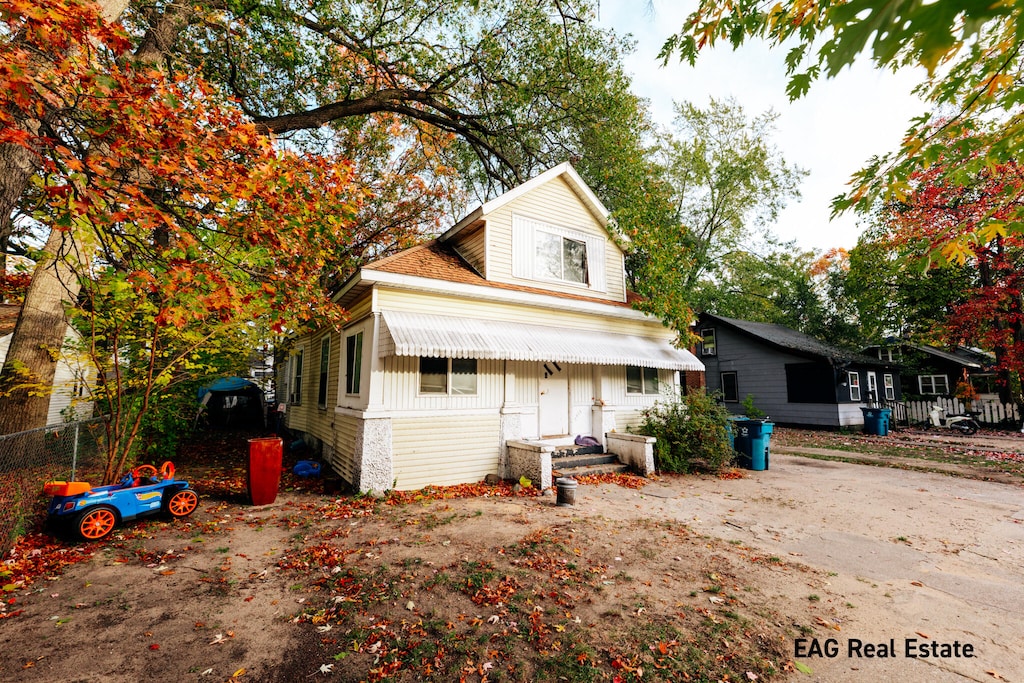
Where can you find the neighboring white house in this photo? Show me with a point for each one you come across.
(513, 326)
(69, 400)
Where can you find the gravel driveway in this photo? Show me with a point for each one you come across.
(906, 555)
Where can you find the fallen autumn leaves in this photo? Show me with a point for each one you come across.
(471, 582)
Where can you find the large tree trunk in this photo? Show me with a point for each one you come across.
(27, 378)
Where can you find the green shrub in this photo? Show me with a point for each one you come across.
(691, 433)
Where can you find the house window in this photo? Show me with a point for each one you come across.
(890, 387)
(854, 380)
(888, 354)
(353, 362)
(708, 345)
(936, 385)
(296, 387)
(730, 387)
(325, 364)
(453, 376)
(561, 258)
(641, 380)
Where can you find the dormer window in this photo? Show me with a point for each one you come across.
(561, 258)
(552, 253)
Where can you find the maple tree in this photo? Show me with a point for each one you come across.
(187, 222)
(411, 95)
(989, 314)
(972, 60)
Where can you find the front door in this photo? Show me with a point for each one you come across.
(872, 388)
(554, 400)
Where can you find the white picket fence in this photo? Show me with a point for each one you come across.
(989, 413)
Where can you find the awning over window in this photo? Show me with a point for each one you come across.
(419, 334)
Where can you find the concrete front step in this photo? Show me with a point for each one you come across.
(579, 470)
(572, 450)
(558, 462)
(586, 463)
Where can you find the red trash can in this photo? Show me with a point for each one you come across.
(264, 469)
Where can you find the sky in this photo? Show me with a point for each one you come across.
(830, 132)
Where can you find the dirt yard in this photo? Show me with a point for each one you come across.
(710, 578)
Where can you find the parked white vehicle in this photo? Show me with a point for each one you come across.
(961, 422)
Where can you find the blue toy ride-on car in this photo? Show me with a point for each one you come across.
(94, 512)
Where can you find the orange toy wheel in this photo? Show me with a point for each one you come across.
(182, 503)
(96, 523)
(167, 470)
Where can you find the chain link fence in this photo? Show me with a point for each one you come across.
(75, 450)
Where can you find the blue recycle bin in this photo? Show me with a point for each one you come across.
(730, 431)
(753, 440)
(876, 421)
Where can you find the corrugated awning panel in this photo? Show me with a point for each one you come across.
(421, 334)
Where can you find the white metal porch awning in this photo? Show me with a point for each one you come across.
(421, 334)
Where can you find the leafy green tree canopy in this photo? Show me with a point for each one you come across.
(972, 60)
(723, 179)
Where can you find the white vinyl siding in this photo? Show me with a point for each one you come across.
(425, 451)
(555, 204)
(343, 439)
(472, 246)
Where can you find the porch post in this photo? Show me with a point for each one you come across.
(510, 420)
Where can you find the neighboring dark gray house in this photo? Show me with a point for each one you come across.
(792, 377)
(929, 372)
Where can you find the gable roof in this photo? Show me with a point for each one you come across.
(563, 170)
(787, 339)
(965, 357)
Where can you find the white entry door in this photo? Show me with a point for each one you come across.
(553, 409)
(872, 387)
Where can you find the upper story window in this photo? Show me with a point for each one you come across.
(561, 258)
(708, 345)
(551, 253)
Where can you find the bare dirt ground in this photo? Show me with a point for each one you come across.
(697, 576)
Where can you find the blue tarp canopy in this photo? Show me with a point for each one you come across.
(228, 385)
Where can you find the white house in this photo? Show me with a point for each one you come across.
(68, 400)
(464, 356)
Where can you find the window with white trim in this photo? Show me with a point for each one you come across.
(641, 380)
(934, 385)
(560, 258)
(708, 343)
(853, 379)
(325, 364)
(730, 387)
(450, 376)
(551, 253)
(889, 385)
(353, 362)
(296, 378)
